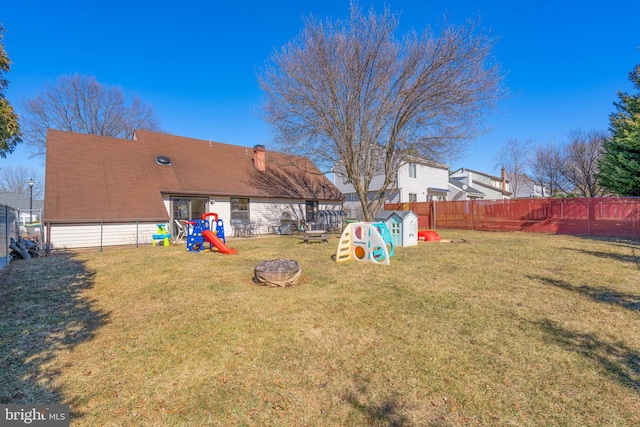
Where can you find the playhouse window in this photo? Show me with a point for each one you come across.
(395, 229)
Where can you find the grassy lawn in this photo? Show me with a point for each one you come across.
(490, 329)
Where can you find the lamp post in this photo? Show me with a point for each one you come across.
(31, 200)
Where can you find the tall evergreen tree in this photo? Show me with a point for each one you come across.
(9, 128)
(619, 166)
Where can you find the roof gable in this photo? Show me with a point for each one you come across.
(426, 162)
(385, 215)
(455, 182)
(475, 172)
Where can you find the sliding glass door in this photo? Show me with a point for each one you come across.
(187, 208)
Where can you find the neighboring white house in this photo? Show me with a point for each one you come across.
(467, 184)
(528, 189)
(418, 181)
(460, 190)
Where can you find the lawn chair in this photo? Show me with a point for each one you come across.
(238, 227)
(250, 229)
(181, 231)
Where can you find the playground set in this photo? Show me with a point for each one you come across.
(361, 241)
(366, 242)
(200, 232)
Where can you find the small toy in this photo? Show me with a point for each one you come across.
(429, 236)
(162, 235)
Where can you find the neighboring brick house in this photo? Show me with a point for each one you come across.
(108, 191)
(417, 181)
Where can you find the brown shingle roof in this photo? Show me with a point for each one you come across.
(92, 178)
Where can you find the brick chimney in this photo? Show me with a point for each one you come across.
(503, 175)
(259, 157)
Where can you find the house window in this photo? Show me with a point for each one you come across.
(412, 170)
(351, 197)
(240, 209)
(413, 197)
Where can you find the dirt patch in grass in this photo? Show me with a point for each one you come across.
(511, 329)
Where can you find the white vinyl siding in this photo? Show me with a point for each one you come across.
(427, 175)
(263, 212)
(96, 235)
(376, 183)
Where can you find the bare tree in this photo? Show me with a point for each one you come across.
(581, 157)
(79, 103)
(514, 158)
(351, 95)
(545, 168)
(15, 179)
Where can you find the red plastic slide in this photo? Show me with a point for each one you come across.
(215, 241)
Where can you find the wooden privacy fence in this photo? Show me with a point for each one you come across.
(424, 211)
(614, 217)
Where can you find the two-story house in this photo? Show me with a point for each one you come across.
(529, 189)
(417, 181)
(468, 184)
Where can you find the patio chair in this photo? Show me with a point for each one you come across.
(250, 229)
(181, 231)
(238, 227)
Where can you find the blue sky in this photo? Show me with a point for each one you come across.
(195, 61)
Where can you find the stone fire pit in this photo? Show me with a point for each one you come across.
(277, 272)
